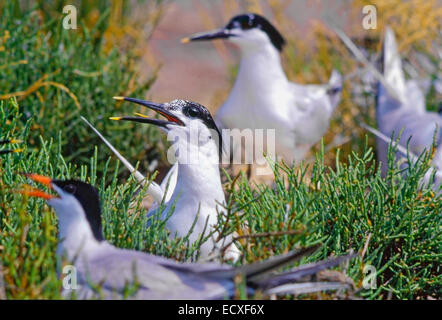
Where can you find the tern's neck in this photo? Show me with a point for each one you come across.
(198, 175)
(260, 68)
(75, 236)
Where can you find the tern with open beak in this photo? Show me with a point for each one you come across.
(196, 193)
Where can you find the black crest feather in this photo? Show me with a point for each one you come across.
(254, 20)
(89, 199)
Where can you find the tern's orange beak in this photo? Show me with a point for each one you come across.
(32, 192)
(40, 179)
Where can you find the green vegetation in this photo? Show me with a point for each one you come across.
(58, 75)
(349, 207)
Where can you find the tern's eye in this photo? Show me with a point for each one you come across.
(246, 24)
(243, 22)
(192, 112)
(70, 188)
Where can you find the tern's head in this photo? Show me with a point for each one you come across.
(188, 121)
(76, 200)
(249, 31)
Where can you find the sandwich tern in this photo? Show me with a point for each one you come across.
(262, 96)
(194, 191)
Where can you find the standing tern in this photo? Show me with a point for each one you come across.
(195, 191)
(406, 116)
(263, 98)
(105, 271)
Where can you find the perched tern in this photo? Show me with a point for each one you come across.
(263, 98)
(105, 271)
(195, 191)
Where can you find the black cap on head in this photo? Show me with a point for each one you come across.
(196, 111)
(253, 20)
(89, 199)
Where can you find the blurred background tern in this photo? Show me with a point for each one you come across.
(401, 110)
(262, 96)
(407, 117)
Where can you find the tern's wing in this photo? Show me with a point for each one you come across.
(420, 130)
(250, 271)
(392, 64)
(158, 278)
(154, 189)
(314, 108)
(169, 182)
(415, 97)
(324, 97)
(387, 101)
(262, 275)
(297, 280)
(150, 277)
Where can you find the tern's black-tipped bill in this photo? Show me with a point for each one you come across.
(159, 108)
(10, 141)
(157, 122)
(211, 35)
(6, 141)
(6, 151)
